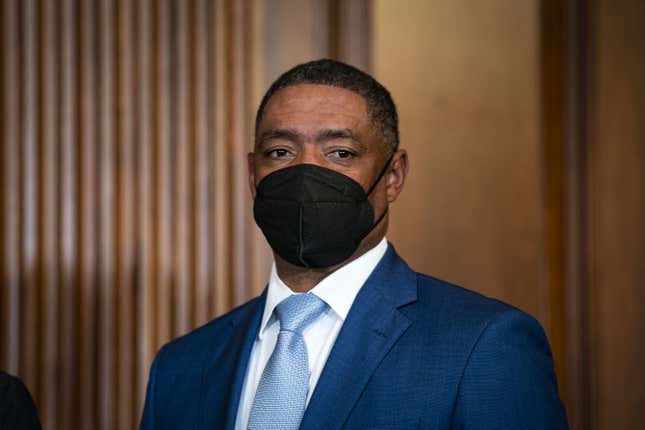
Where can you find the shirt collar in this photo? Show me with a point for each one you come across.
(338, 289)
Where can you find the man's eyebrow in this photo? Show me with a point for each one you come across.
(292, 135)
(279, 133)
(342, 133)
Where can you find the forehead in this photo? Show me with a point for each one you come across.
(312, 104)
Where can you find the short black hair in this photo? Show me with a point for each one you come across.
(381, 109)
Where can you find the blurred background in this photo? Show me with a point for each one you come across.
(125, 213)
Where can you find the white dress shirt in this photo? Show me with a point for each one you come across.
(338, 290)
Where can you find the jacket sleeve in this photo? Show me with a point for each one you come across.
(148, 418)
(509, 380)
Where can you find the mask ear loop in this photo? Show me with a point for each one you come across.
(379, 219)
(380, 175)
(378, 179)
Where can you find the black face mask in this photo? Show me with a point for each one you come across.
(313, 216)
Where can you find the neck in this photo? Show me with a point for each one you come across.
(303, 279)
(299, 279)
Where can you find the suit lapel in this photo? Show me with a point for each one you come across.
(372, 327)
(225, 368)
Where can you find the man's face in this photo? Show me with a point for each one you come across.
(322, 125)
(329, 127)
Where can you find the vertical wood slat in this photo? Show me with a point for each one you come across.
(576, 222)
(222, 299)
(182, 149)
(105, 216)
(11, 146)
(145, 196)
(126, 218)
(30, 175)
(202, 232)
(553, 135)
(237, 141)
(69, 375)
(87, 235)
(352, 25)
(49, 214)
(164, 175)
(260, 252)
(29, 209)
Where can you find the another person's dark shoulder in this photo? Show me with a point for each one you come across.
(17, 408)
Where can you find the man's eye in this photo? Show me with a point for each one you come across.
(276, 153)
(341, 153)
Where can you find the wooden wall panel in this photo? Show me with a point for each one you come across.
(527, 169)
(466, 78)
(480, 91)
(125, 218)
(616, 205)
(126, 214)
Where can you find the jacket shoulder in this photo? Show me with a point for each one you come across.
(196, 343)
(464, 309)
(434, 288)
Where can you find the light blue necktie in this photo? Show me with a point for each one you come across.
(282, 393)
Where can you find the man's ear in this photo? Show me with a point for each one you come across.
(250, 161)
(397, 174)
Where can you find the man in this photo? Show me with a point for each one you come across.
(17, 408)
(346, 335)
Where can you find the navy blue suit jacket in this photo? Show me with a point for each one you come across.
(414, 352)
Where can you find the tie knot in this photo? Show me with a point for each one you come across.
(298, 310)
